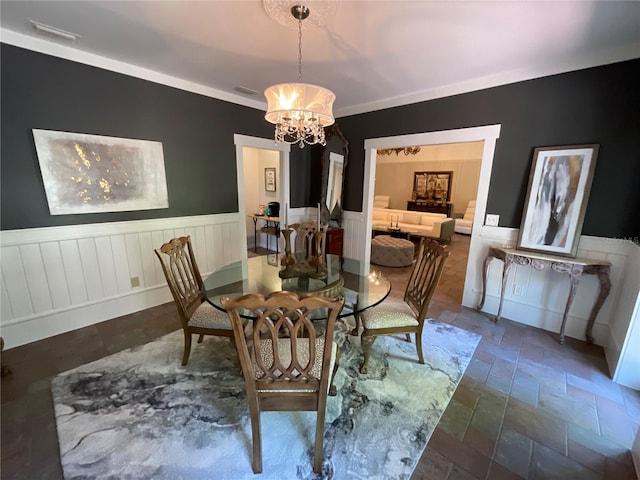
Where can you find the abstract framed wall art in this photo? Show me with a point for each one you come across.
(559, 186)
(85, 173)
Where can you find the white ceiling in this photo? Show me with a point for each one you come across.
(372, 54)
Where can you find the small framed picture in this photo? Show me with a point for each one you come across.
(270, 179)
(557, 196)
(272, 259)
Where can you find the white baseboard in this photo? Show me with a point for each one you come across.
(45, 326)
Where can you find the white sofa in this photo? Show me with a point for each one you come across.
(425, 224)
(464, 224)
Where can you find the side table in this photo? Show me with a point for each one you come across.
(271, 228)
(575, 267)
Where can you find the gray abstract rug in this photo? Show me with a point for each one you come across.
(138, 414)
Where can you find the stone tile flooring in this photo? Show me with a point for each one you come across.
(526, 407)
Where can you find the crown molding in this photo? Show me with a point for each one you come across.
(75, 55)
(596, 59)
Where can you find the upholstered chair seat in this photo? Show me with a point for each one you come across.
(393, 312)
(207, 316)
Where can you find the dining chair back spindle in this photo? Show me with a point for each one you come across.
(308, 239)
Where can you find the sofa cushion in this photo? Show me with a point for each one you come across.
(427, 220)
(378, 215)
(411, 218)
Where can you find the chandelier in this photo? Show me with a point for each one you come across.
(300, 111)
(406, 150)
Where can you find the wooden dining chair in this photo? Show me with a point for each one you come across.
(307, 240)
(289, 363)
(197, 316)
(406, 316)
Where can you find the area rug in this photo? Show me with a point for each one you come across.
(139, 414)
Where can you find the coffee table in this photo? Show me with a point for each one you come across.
(393, 232)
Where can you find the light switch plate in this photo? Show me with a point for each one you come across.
(492, 220)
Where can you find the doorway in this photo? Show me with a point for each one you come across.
(411, 178)
(487, 134)
(254, 157)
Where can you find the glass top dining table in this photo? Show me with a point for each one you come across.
(264, 274)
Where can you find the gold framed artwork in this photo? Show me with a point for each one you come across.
(554, 209)
(432, 185)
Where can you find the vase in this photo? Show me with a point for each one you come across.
(287, 258)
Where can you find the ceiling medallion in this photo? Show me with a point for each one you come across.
(406, 150)
(299, 111)
(319, 12)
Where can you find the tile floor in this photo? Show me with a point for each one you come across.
(527, 407)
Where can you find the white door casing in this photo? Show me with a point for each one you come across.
(488, 134)
(242, 141)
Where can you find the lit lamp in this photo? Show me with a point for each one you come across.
(300, 111)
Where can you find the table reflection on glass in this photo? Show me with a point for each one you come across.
(264, 274)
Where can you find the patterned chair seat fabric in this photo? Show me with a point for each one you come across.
(207, 316)
(393, 312)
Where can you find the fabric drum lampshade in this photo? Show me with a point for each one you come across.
(299, 102)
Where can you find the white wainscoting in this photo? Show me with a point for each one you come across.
(544, 294)
(354, 243)
(59, 279)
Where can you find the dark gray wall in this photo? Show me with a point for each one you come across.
(597, 105)
(40, 91)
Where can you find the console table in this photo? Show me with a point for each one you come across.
(271, 229)
(575, 267)
(430, 206)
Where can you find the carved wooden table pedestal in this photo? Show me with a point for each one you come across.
(575, 267)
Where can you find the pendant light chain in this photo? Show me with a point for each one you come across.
(300, 49)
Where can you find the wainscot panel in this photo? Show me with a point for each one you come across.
(58, 279)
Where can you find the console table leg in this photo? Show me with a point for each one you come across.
(505, 273)
(255, 234)
(575, 275)
(485, 265)
(605, 287)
